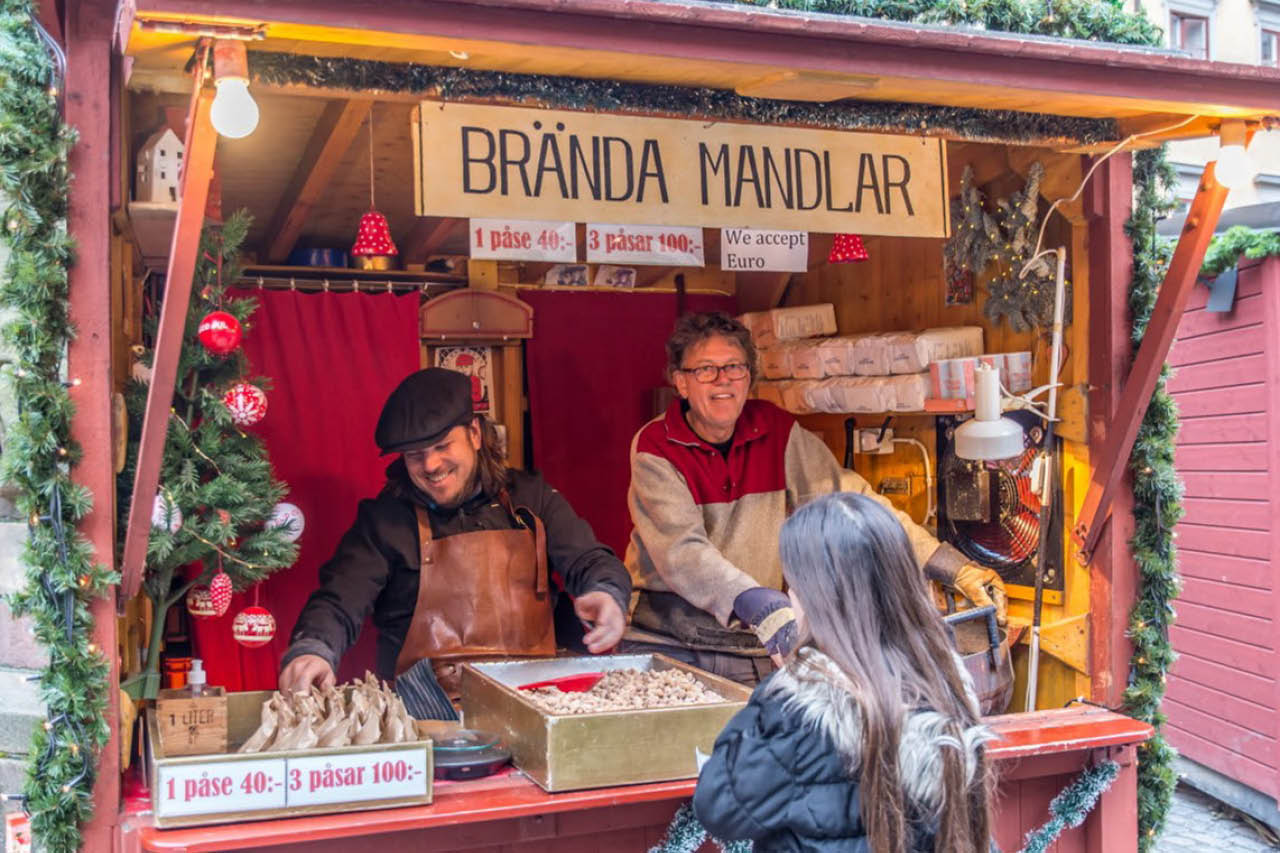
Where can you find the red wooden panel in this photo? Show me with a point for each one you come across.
(1248, 515)
(1216, 567)
(1033, 805)
(1224, 373)
(1247, 285)
(1210, 430)
(1228, 596)
(1211, 727)
(1226, 623)
(1243, 657)
(1240, 712)
(1222, 401)
(1224, 676)
(1215, 345)
(1248, 311)
(1218, 540)
(1242, 768)
(1209, 484)
(1243, 456)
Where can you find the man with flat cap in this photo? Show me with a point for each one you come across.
(453, 558)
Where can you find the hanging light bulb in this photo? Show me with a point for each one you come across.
(1234, 169)
(234, 113)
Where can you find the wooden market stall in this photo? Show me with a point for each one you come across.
(346, 94)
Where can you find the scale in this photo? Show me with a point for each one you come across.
(468, 754)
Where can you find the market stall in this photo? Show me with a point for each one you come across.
(531, 195)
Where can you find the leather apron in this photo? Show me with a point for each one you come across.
(481, 595)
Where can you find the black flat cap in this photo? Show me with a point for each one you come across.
(424, 406)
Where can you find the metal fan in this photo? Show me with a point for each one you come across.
(989, 511)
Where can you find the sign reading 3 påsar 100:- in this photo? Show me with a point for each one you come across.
(483, 161)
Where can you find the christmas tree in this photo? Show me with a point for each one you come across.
(217, 499)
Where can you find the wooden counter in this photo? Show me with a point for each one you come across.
(1036, 755)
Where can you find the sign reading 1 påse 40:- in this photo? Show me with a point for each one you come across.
(478, 161)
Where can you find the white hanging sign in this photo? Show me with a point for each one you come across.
(758, 249)
(659, 245)
(323, 779)
(523, 240)
(222, 786)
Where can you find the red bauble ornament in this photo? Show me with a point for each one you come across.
(220, 592)
(200, 603)
(253, 627)
(847, 248)
(247, 404)
(374, 236)
(220, 332)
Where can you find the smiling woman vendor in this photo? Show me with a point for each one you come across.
(712, 481)
(453, 558)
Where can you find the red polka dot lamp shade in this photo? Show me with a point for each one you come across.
(846, 249)
(374, 236)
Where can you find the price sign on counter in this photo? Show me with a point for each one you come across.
(759, 249)
(356, 777)
(213, 787)
(523, 240)
(660, 245)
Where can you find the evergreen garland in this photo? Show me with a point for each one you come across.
(1228, 248)
(216, 476)
(62, 577)
(1157, 493)
(1072, 805)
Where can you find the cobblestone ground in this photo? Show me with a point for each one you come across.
(1201, 824)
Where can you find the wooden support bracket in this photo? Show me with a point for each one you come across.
(201, 142)
(1201, 221)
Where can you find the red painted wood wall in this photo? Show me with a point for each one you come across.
(1222, 702)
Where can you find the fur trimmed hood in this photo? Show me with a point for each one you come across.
(821, 702)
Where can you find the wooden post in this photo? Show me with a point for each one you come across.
(201, 142)
(1181, 277)
(88, 109)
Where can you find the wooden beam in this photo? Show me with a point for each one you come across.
(201, 142)
(1109, 469)
(760, 291)
(426, 237)
(332, 136)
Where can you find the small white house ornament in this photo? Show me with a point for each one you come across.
(159, 165)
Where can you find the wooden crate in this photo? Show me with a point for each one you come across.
(190, 790)
(566, 753)
(192, 725)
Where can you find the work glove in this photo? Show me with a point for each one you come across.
(983, 586)
(769, 614)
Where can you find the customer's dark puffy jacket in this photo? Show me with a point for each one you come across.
(784, 771)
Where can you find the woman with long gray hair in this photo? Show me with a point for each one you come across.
(868, 738)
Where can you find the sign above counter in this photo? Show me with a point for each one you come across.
(486, 161)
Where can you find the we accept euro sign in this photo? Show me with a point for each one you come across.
(506, 162)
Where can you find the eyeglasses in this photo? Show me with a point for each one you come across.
(711, 372)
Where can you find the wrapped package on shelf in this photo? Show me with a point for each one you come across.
(839, 354)
(913, 352)
(770, 391)
(872, 355)
(806, 358)
(788, 324)
(953, 378)
(910, 391)
(775, 362)
(855, 394)
(795, 396)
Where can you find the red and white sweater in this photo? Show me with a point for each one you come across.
(706, 527)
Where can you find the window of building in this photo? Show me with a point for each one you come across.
(1270, 54)
(1190, 33)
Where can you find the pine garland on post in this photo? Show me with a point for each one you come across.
(62, 577)
(1157, 493)
(1072, 805)
(216, 486)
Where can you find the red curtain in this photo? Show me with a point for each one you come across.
(593, 364)
(332, 359)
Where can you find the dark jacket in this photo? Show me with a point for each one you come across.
(784, 771)
(375, 568)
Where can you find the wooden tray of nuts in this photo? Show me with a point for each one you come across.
(645, 721)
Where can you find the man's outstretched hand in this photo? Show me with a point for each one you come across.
(604, 619)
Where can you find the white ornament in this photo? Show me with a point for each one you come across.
(165, 514)
(289, 519)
